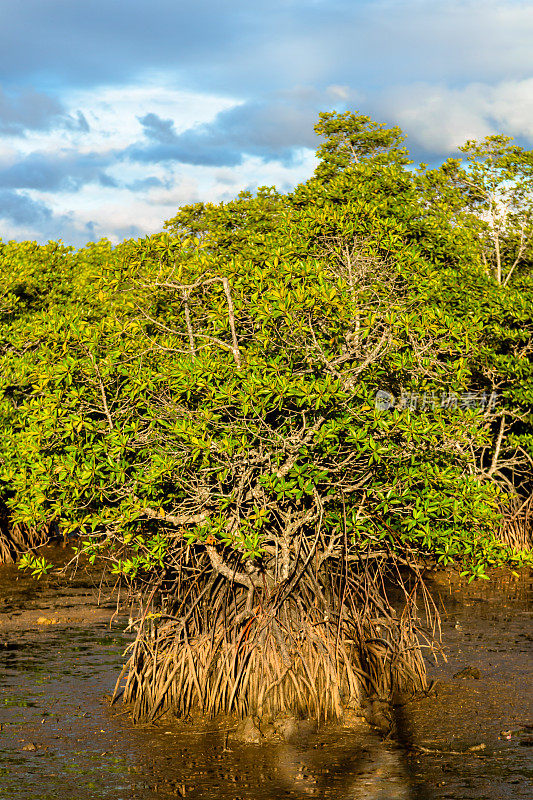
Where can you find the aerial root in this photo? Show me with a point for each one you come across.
(17, 539)
(269, 663)
(517, 526)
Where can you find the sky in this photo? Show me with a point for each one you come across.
(114, 113)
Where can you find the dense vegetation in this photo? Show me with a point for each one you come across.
(260, 415)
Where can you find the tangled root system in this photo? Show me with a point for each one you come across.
(517, 527)
(311, 649)
(17, 539)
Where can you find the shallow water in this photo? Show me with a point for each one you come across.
(53, 678)
(51, 697)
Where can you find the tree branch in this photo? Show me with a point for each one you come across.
(295, 446)
(497, 449)
(222, 568)
(102, 391)
(177, 521)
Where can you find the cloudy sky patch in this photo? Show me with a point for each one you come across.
(113, 113)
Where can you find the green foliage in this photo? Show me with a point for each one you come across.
(490, 198)
(224, 373)
(353, 141)
(37, 566)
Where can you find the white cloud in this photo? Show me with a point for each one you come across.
(119, 212)
(8, 153)
(511, 105)
(18, 233)
(435, 117)
(339, 92)
(113, 112)
(440, 119)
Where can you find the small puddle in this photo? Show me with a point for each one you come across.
(59, 737)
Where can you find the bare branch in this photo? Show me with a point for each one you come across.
(188, 323)
(296, 443)
(181, 519)
(222, 568)
(231, 315)
(372, 356)
(102, 390)
(494, 463)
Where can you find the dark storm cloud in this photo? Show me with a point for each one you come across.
(159, 130)
(57, 172)
(143, 184)
(195, 147)
(271, 127)
(197, 152)
(38, 219)
(28, 110)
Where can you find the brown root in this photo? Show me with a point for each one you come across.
(17, 539)
(324, 646)
(517, 526)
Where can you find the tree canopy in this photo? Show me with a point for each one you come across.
(339, 373)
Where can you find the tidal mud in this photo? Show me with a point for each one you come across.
(472, 731)
(60, 737)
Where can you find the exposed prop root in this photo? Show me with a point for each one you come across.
(517, 527)
(17, 539)
(323, 648)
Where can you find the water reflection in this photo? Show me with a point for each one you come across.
(352, 771)
(334, 764)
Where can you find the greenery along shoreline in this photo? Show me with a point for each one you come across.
(199, 408)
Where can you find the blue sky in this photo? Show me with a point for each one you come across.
(113, 113)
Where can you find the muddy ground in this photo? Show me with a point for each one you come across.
(61, 645)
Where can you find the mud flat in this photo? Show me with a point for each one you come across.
(60, 657)
(476, 728)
